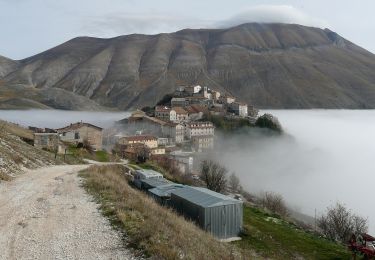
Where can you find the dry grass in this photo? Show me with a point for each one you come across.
(4, 176)
(155, 230)
(16, 130)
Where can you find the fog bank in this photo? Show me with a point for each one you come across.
(326, 156)
(60, 118)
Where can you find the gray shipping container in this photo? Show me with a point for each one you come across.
(216, 213)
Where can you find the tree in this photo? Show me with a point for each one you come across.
(234, 182)
(274, 202)
(142, 153)
(214, 175)
(339, 223)
(269, 121)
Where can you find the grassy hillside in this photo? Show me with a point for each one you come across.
(157, 231)
(273, 237)
(152, 229)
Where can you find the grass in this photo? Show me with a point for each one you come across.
(16, 130)
(150, 228)
(273, 237)
(100, 156)
(228, 124)
(159, 232)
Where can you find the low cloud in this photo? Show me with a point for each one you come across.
(272, 14)
(120, 23)
(127, 23)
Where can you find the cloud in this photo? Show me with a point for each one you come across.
(113, 24)
(272, 14)
(127, 23)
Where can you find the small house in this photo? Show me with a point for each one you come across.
(145, 174)
(80, 132)
(48, 141)
(148, 140)
(220, 215)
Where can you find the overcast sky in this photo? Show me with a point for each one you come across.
(30, 26)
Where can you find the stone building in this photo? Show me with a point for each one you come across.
(148, 140)
(199, 129)
(181, 114)
(165, 113)
(80, 132)
(240, 109)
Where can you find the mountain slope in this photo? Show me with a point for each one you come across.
(268, 65)
(7, 66)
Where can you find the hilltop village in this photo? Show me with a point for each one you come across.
(175, 130)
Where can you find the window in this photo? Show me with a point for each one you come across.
(76, 135)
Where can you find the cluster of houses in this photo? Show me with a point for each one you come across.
(179, 123)
(78, 134)
(175, 130)
(220, 215)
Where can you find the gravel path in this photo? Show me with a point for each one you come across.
(45, 214)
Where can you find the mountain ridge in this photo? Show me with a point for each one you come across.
(267, 65)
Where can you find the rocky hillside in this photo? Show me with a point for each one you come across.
(15, 154)
(268, 65)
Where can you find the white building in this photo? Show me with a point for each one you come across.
(183, 160)
(193, 89)
(202, 142)
(165, 113)
(239, 109)
(199, 129)
(181, 114)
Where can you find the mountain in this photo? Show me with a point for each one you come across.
(267, 65)
(7, 66)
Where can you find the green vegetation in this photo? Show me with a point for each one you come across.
(269, 121)
(152, 229)
(276, 238)
(227, 124)
(82, 153)
(159, 232)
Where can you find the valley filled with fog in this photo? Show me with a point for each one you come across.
(325, 155)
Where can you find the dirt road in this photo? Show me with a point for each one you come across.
(45, 214)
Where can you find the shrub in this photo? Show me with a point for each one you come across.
(269, 121)
(274, 202)
(214, 175)
(339, 223)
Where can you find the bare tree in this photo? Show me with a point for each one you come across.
(214, 175)
(274, 202)
(142, 153)
(339, 223)
(234, 182)
(87, 146)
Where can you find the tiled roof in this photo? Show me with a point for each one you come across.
(162, 109)
(179, 110)
(78, 125)
(140, 138)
